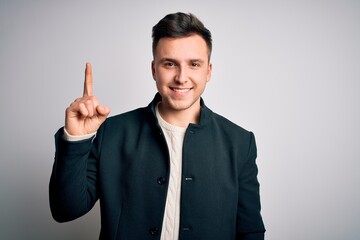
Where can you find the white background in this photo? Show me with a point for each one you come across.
(287, 70)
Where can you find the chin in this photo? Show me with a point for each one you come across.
(182, 105)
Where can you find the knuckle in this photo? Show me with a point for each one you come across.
(88, 102)
(72, 105)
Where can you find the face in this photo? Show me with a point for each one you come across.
(181, 70)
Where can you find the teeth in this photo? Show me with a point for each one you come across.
(182, 90)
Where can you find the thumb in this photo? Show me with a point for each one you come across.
(103, 111)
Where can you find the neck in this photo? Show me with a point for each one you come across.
(180, 118)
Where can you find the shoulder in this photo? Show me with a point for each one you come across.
(232, 134)
(227, 125)
(127, 121)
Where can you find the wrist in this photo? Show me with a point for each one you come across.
(72, 138)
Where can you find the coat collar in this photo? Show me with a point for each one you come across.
(205, 112)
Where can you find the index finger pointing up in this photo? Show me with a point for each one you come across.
(88, 83)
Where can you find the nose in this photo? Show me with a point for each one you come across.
(181, 75)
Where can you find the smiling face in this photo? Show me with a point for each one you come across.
(181, 69)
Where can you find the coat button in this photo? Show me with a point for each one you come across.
(187, 228)
(161, 180)
(189, 178)
(154, 231)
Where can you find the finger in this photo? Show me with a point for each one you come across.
(88, 83)
(103, 110)
(89, 104)
(83, 110)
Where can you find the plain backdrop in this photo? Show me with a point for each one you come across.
(287, 70)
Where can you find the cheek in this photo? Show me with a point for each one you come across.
(164, 76)
(161, 80)
(201, 77)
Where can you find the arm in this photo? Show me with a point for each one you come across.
(73, 183)
(249, 221)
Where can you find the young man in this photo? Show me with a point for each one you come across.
(171, 170)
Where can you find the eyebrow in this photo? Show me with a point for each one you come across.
(174, 60)
(167, 60)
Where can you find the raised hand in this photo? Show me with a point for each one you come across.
(85, 114)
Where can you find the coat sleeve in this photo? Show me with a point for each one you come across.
(250, 225)
(73, 181)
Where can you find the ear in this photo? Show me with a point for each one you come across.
(209, 72)
(153, 69)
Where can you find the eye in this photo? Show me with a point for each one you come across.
(195, 64)
(169, 64)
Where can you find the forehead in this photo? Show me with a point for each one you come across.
(192, 46)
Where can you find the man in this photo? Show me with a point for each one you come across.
(171, 170)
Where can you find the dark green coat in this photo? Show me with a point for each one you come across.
(127, 167)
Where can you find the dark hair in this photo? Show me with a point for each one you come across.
(177, 25)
